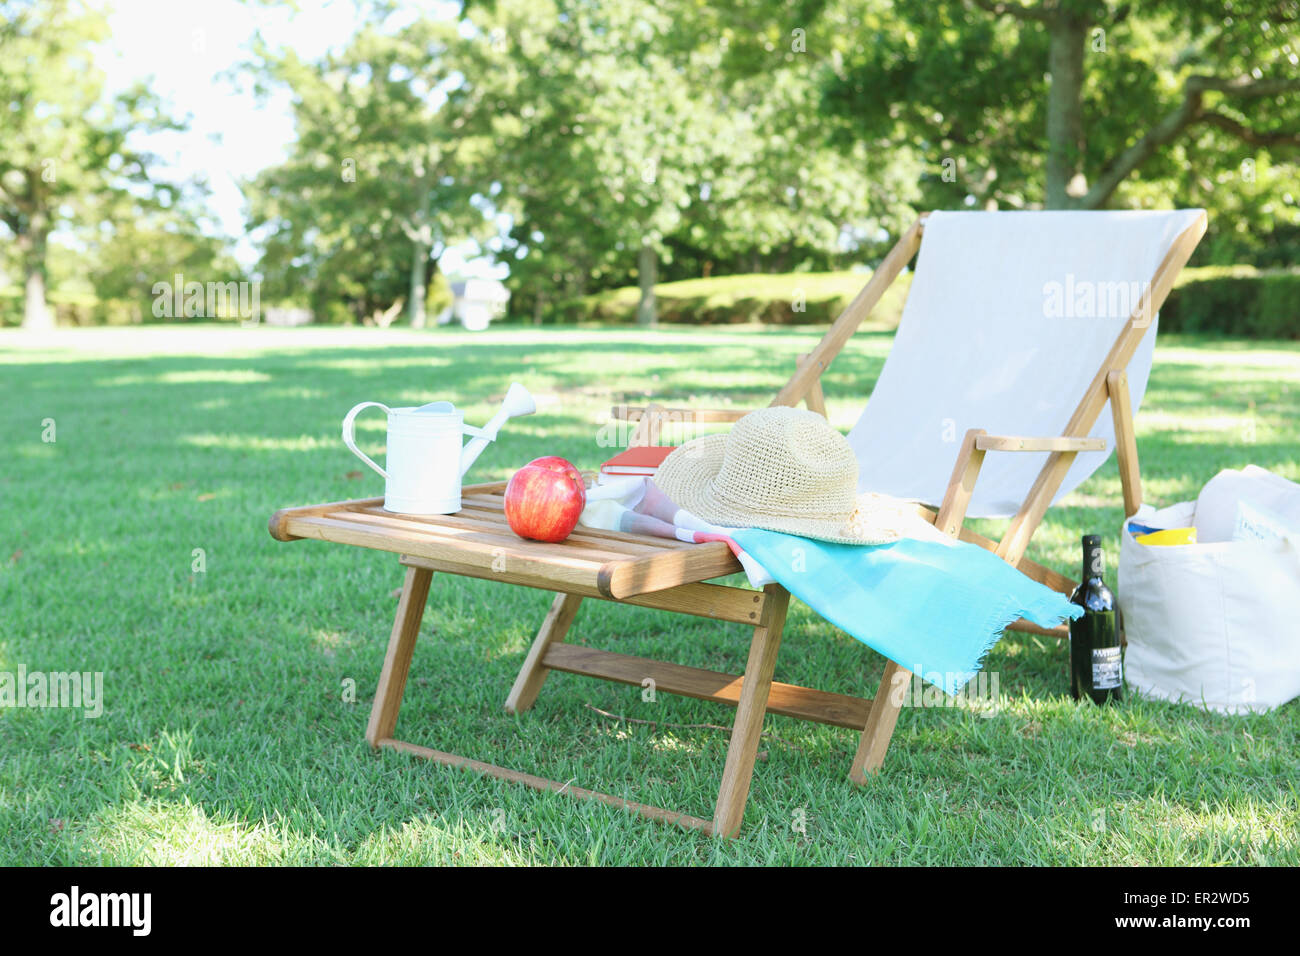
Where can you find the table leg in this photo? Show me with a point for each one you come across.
(397, 662)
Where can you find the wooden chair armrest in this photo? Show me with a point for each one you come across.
(1019, 443)
(651, 418)
(634, 413)
(970, 457)
(811, 394)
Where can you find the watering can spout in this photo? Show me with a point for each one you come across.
(517, 402)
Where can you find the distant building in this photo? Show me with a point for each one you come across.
(475, 302)
(288, 316)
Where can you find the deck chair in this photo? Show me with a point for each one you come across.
(1018, 329)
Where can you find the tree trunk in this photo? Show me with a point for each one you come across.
(1065, 142)
(31, 243)
(647, 274)
(419, 264)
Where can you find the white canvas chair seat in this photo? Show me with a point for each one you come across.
(1009, 317)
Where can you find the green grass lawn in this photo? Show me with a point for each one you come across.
(226, 736)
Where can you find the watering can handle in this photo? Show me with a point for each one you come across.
(350, 440)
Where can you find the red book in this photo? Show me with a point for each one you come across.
(641, 460)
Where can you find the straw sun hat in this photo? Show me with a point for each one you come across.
(780, 469)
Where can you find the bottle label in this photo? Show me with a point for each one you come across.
(1107, 668)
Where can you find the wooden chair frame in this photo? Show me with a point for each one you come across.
(657, 574)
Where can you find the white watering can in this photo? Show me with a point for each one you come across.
(425, 459)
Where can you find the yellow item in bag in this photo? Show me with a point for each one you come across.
(1168, 536)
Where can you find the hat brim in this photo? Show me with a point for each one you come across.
(688, 476)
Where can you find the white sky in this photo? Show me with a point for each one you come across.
(187, 51)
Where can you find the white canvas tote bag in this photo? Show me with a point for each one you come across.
(1214, 624)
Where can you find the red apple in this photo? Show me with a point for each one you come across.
(544, 499)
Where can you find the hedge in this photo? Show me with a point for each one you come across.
(69, 308)
(85, 308)
(82, 308)
(796, 298)
(1235, 300)
(1230, 300)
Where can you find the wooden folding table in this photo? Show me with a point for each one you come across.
(633, 569)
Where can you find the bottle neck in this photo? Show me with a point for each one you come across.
(1094, 562)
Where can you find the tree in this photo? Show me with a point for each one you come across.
(1065, 103)
(64, 142)
(629, 145)
(1223, 85)
(602, 123)
(134, 246)
(383, 170)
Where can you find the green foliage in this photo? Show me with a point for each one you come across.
(128, 255)
(89, 220)
(757, 137)
(596, 129)
(382, 173)
(109, 277)
(968, 88)
(69, 308)
(1235, 300)
(618, 127)
(439, 296)
(67, 163)
(804, 298)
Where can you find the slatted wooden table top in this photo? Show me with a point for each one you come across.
(476, 541)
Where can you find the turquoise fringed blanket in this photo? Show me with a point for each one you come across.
(933, 607)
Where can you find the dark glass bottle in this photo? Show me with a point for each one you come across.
(1096, 662)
